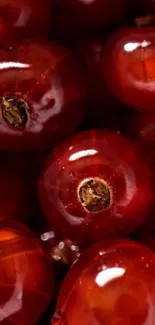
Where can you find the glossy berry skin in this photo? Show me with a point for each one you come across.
(24, 18)
(26, 278)
(94, 185)
(76, 17)
(128, 67)
(112, 283)
(45, 95)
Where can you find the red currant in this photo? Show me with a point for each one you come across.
(128, 67)
(26, 277)
(41, 100)
(112, 284)
(94, 185)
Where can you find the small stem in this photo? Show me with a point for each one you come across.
(65, 252)
(145, 21)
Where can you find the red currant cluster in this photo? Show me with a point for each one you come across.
(77, 160)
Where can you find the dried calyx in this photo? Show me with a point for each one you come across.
(94, 194)
(14, 111)
(145, 21)
(65, 252)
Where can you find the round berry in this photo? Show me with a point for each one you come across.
(41, 100)
(94, 185)
(26, 277)
(128, 67)
(112, 284)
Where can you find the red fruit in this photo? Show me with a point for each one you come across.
(112, 284)
(41, 100)
(96, 184)
(26, 277)
(23, 18)
(102, 105)
(128, 67)
(77, 16)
